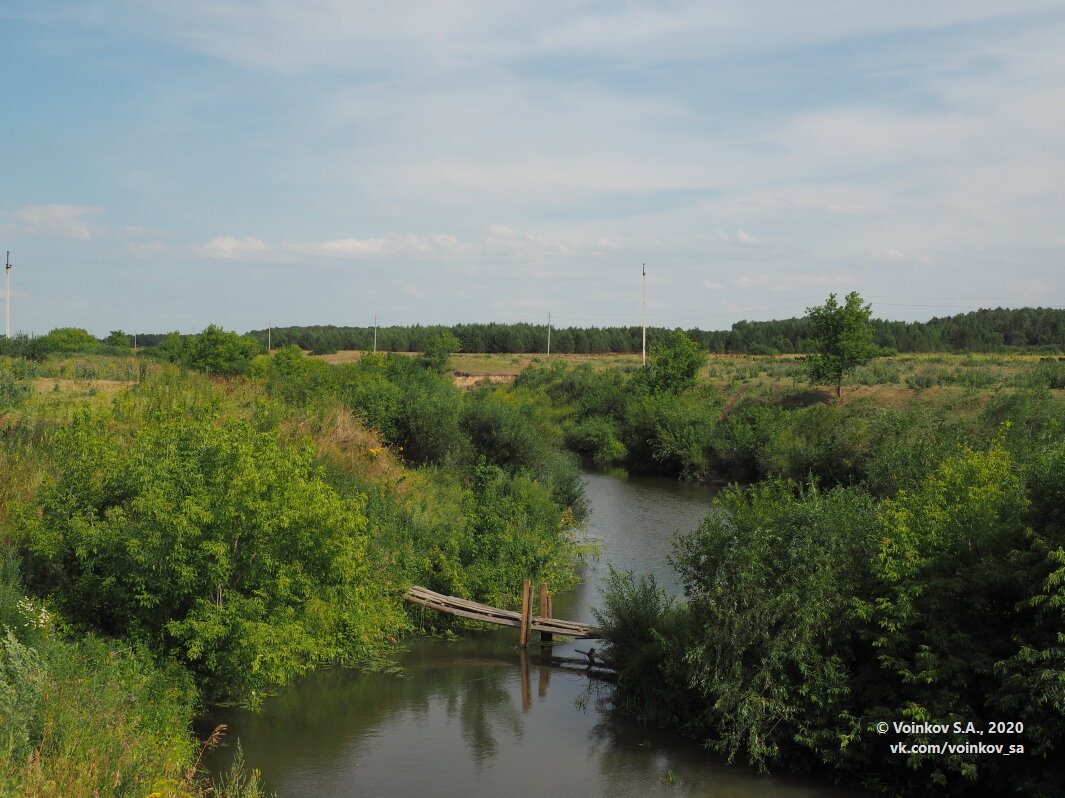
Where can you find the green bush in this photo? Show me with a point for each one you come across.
(22, 690)
(69, 339)
(596, 437)
(215, 351)
(771, 576)
(645, 633)
(509, 429)
(207, 540)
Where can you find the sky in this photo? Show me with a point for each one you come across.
(166, 165)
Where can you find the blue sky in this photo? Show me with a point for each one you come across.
(168, 165)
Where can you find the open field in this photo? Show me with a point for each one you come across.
(893, 381)
(942, 379)
(498, 364)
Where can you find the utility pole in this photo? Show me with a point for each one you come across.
(269, 336)
(548, 336)
(644, 361)
(7, 296)
(375, 333)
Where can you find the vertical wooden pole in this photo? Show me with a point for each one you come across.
(526, 612)
(545, 612)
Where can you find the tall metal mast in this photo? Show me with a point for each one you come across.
(644, 362)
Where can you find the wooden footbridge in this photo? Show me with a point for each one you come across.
(524, 620)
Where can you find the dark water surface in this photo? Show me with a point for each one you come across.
(477, 717)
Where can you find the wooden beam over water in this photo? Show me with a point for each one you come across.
(464, 608)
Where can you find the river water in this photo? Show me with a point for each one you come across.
(477, 717)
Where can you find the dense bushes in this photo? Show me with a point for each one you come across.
(421, 413)
(91, 716)
(213, 351)
(208, 541)
(653, 419)
(436, 527)
(812, 615)
(897, 564)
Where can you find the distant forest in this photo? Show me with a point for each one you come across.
(999, 330)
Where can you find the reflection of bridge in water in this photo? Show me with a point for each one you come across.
(524, 620)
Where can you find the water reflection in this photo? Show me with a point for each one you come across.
(476, 716)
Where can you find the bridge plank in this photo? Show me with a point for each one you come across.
(464, 608)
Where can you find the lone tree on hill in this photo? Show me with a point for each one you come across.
(842, 338)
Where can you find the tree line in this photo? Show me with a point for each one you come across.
(998, 330)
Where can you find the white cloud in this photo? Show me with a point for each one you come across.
(499, 243)
(315, 34)
(60, 221)
(381, 246)
(230, 248)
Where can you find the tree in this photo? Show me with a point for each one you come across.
(842, 337)
(674, 364)
(117, 338)
(70, 339)
(216, 351)
(438, 351)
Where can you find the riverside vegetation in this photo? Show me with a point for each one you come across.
(175, 538)
(172, 539)
(895, 557)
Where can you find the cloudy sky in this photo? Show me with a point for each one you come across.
(170, 164)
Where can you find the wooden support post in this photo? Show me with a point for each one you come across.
(545, 612)
(526, 613)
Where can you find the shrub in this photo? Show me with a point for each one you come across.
(771, 576)
(207, 540)
(645, 634)
(596, 437)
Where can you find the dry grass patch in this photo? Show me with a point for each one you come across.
(78, 388)
(341, 439)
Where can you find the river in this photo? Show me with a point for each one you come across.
(475, 717)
